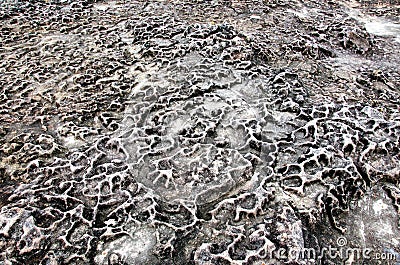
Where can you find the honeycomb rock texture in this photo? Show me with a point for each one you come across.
(198, 132)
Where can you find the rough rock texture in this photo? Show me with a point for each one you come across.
(198, 132)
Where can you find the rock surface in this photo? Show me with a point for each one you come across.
(199, 132)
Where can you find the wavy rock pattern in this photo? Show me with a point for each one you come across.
(206, 132)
